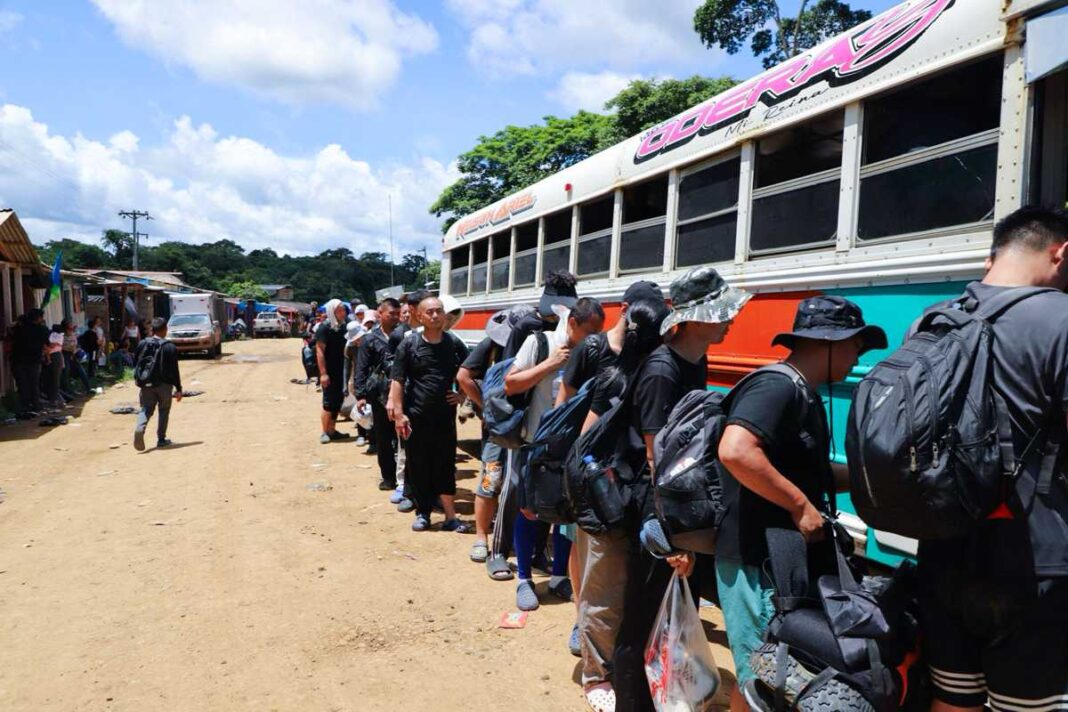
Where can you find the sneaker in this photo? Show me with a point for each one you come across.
(338, 435)
(163, 443)
(324, 438)
(421, 524)
(562, 590)
(525, 597)
(397, 496)
(139, 440)
(405, 505)
(574, 645)
(371, 450)
(455, 525)
(361, 441)
(386, 486)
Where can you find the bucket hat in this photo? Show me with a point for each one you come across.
(454, 311)
(500, 325)
(701, 294)
(831, 318)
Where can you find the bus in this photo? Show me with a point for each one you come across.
(873, 166)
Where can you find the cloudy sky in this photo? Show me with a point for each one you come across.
(288, 124)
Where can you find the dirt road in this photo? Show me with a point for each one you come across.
(247, 567)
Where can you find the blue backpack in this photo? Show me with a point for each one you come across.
(542, 476)
(502, 414)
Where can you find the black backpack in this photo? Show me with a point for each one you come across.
(839, 642)
(146, 369)
(688, 492)
(541, 469)
(929, 438)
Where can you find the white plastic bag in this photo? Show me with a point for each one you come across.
(364, 417)
(679, 666)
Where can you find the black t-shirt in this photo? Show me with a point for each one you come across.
(791, 424)
(526, 326)
(335, 340)
(427, 372)
(29, 343)
(588, 360)
(397, 335)
(1031, 372)
(663, 380)
(484, 355)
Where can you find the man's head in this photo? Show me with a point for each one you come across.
(431, 314)
(831, 330)
(703, 306)
(414, 299)
(1031, 246)
(640, 291)
(389, 310)
(35, 316)
(159, 327)
(559, 290)
(585, 318)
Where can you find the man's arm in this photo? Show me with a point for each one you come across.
(363, 367)
(320, 359)
(742, 453)
(565, 393)
(468, 386)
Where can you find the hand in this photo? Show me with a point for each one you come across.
(454, 398)
(529, 514)
(809, 522)
(682, 563)
(403, 427)
(177, 396)
(324, 381)
(360, 403)
(391, 410)
(560, 356)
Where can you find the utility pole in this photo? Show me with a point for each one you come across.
(426, 270)
(133, 215)
(389, 198)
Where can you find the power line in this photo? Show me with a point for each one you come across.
(134, 215)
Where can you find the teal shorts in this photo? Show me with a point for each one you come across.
(745, 597)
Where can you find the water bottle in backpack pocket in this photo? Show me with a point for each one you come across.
(604, 491)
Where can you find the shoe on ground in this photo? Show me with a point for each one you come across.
(361, 441)
(397, 496)
(455, 525)
(139, 440)
(324, 438)
(338, 435)
(371, 450)
(386, 486)
(574, 645)
(405, 505)
(421, 524)
(562, 590)
(163, 443)
(525, 597)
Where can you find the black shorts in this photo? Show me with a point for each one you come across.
(333, 397)
(1002, 642)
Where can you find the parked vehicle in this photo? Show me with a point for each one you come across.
(270, 323)
(194, 325)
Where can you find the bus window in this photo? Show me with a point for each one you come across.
(708, 214)
(526, 254)
(595, 236)
(557, 253)
(459, 258)
(795, 196)
(644, 216)
(480, 253)
(502, 259)
(930, 153)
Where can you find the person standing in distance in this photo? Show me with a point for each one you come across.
(330, 355)
(372, 386)
(164, 380)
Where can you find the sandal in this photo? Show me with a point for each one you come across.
(601, 697)
(479, 552)
(498, 569)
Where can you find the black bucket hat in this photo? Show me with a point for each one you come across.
(701, 294)
(831, 318)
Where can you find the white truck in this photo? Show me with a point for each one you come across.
(196, 323)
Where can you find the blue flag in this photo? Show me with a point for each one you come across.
(55, 289)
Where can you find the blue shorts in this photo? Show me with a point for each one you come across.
(745, 597)
(491, 478)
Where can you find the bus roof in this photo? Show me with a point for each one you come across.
(911, 40)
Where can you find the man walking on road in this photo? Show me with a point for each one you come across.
(372, 386)
(156, 371)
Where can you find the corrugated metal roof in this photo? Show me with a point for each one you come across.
(15, 244)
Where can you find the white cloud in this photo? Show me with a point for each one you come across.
(9, 20)
(578, 90)
(200, 186)
(345, 52)
(510, 37)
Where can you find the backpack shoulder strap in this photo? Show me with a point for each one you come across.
(993, 308)
(543, 346)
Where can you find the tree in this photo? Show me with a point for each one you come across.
(119, 245)
(78, 255)
(245, 290)
(518, 156)
(644, 103)
(727, 24)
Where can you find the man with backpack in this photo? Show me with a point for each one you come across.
(371, 385)
(538, 369)
(775, 467)
(995, 598)
(156, 374)
(559, 289)
(422, 406)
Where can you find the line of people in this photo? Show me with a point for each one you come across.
(992, 605)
